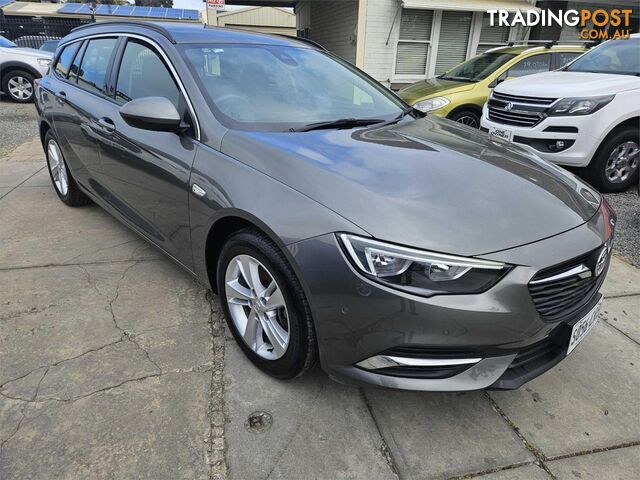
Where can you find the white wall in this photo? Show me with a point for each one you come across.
(379, 58)
(333, 25)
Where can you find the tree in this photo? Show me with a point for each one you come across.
(154, 3)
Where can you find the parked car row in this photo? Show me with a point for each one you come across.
(585, 114)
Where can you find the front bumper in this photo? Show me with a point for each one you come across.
(576, 133)
(357, 320)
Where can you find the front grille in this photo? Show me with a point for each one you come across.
(517, 110)
(562, 290)
(516, 119)
(524, 100)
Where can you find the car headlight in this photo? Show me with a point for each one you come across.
(431, 104)
(44, 61)
(579, 106)
(421, 272)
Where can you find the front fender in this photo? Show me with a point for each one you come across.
(236, 189)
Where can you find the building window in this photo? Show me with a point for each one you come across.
(491, 37)
(414, 42)
(455, 28)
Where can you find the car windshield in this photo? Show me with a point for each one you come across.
(49, 46)
(6, 43)
(277, 88)
(479, 67)
(620, 57)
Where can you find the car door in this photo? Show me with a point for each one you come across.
(146, 173)
(80, 93)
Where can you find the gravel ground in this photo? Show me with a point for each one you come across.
(627, 206)
(17, 124)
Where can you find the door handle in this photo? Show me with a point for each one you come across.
(107, 124)
(61, 96)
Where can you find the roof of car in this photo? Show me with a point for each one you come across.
(178, 32)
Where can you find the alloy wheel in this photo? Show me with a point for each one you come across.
(622, 162)
(57, 168)
(20, 88)
(468, 120)
(257, 306)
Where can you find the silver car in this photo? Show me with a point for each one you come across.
(19, 67)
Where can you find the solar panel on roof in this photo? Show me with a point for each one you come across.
(128, 11)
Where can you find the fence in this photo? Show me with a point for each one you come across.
(34, 31)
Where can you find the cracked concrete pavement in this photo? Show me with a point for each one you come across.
(114, 363)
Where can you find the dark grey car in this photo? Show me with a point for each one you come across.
(332, 220)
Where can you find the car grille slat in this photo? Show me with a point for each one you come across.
(520, 111)
(558, 296)
(516, 119)
(555, 299)
(523, 99)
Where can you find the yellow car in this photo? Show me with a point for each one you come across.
(460, 93)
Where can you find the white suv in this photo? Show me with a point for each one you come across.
(586, 114)
(19, 67)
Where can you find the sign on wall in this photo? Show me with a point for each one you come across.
(217, 4)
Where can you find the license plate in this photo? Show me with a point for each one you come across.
(583, 326)
(501, 133)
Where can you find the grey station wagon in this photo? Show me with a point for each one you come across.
(333, 220)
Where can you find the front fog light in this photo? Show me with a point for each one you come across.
(418, 271)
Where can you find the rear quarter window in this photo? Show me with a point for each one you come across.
(66, 57)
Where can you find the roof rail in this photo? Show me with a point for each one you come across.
(300, 39)
(136, 23)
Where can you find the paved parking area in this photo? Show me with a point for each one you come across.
(114, 363)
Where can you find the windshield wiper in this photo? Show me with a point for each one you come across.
(457, 79)
(340, 123)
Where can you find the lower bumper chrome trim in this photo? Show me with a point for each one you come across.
(385, 361)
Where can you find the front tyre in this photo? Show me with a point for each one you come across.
(265, 306)
(63, 182)
(614, 167)
(19, 86)
(466, 117)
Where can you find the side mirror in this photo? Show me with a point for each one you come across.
(152, 113)
(498, 80)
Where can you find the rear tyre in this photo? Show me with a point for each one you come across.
(63, 182)
(614, 167)
(265, 306)
(466, 117)
(18, 85)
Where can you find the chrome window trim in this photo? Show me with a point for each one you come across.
(164, 56)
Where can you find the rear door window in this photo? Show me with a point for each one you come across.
(95, 61)
(530, 65)
(75, 66)
(143, 74)
(66, 57)
(562, 58)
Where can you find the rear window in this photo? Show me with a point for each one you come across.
(93, 69)
(66, 57)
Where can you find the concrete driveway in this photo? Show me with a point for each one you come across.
(114, 363)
